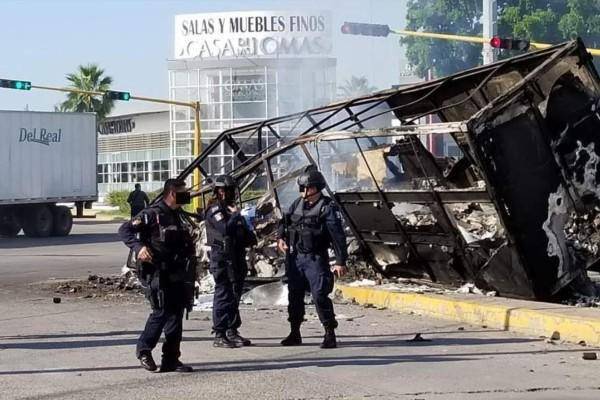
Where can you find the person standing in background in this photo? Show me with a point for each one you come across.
(138, 200)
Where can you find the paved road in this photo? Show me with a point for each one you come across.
(92, 247)
(84, 348)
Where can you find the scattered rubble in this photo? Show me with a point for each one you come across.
(270, 294)
(470, 288)
(126, 285)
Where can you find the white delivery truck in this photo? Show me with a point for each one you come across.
(45, 158)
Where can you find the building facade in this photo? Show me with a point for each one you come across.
(242, 67)
(245, 67)
(133, 148)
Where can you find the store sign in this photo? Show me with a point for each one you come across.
(253, 34)
(116, 126)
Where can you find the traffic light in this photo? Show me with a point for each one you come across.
(357, 28)
(19, 85)
(498, 42)
(114, 95)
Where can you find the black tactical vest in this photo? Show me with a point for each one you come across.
(307, 230)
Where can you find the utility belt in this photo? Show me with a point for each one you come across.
(170, 282)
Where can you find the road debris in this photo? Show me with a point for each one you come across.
(418, 338)
(270, 294)
(592, 355)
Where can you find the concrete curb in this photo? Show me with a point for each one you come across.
(524, 317)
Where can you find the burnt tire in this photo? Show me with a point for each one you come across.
(38, 221)
(62, 221)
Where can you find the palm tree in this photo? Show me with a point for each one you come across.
(91, 78)
(354, 87)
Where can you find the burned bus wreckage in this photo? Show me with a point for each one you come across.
(519, 213)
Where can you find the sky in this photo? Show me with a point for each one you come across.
(132, 40)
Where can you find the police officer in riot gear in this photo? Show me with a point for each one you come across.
(162, 238)
(228, 235)
(312, 224)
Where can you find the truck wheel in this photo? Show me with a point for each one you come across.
(63, 221)
(38, 221)
(9, 229)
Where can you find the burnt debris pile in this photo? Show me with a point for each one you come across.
(514, 210)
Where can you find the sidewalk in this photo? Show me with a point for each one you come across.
(530, 318)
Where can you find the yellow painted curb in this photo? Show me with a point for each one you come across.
(524, 317)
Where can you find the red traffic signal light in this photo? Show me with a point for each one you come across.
(498, 42)
(357, 28)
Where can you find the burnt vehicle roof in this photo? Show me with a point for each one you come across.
(527, 130)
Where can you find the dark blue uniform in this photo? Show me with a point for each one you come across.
(228, 235)
(169, 278)
(309, 230)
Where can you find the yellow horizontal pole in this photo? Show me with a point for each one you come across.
(96, 93)
(163, 101)
(471, 39)
(59, 89)
(460, 38)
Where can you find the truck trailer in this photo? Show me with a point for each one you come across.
(46, 158)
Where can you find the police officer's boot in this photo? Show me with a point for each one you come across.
(294, 338)
(147, 362)
(174, 366)
(234, 336)
(329, 341)
(221, 340)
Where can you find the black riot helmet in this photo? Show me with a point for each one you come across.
(224, 181)
(311, 177)
(228, 183)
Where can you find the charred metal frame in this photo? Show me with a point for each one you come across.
(470, 104)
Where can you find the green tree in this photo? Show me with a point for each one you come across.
(444, 57)
(354, 87)
(546, 21)
(91, 78)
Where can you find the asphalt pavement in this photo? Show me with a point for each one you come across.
(92, 247)
(84, 348)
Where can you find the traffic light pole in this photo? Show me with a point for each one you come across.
(471, 39)
(490, 29)
(194, 105)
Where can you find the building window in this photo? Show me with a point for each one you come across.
(160, 170)
(139, 171)
(102, 170)
(182, 164)
(115, 176)
(124, 174)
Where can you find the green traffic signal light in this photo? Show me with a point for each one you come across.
(114, 95)
(11, 84)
